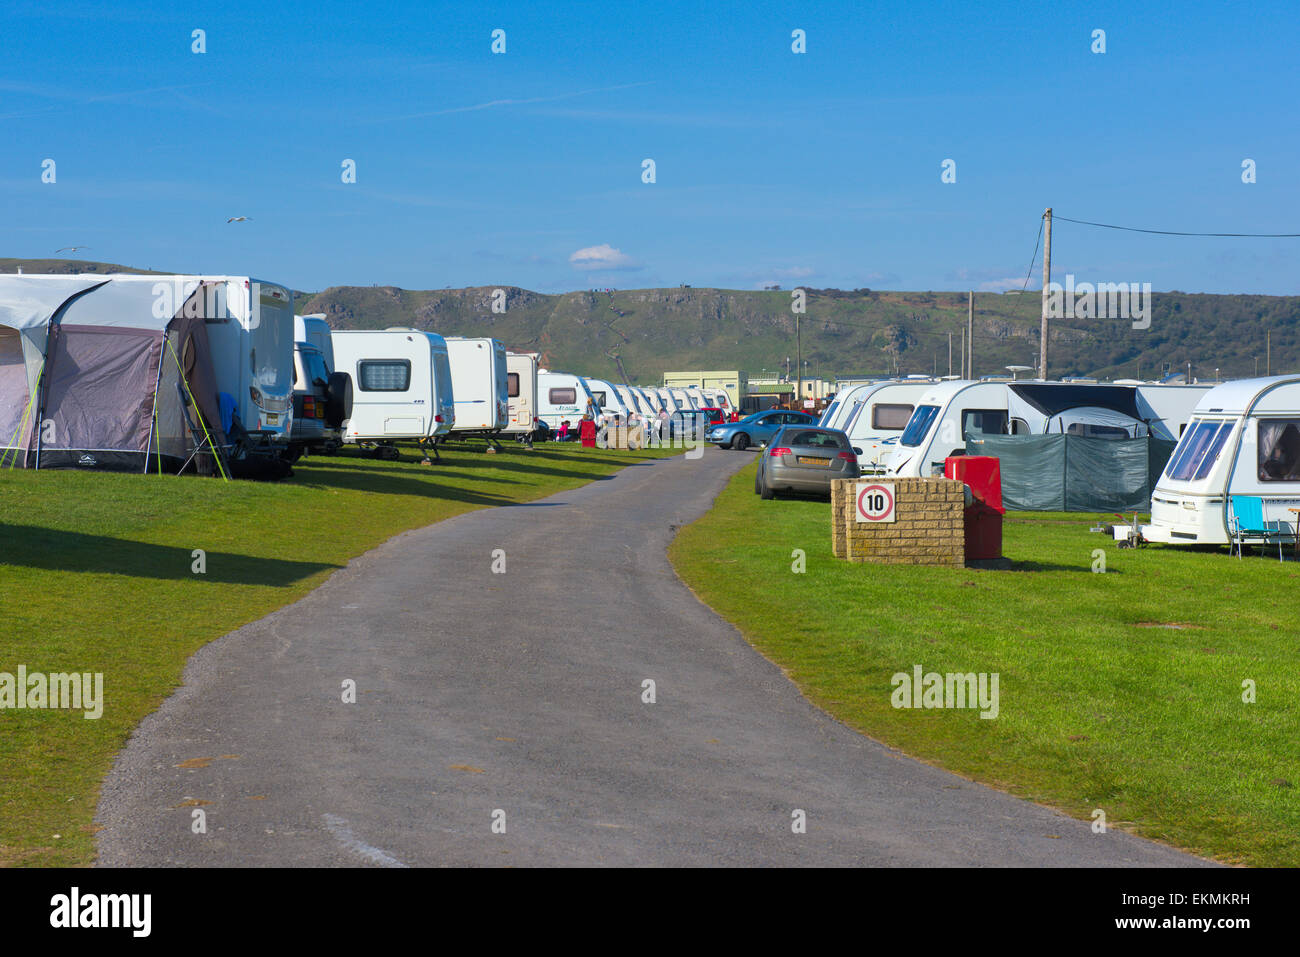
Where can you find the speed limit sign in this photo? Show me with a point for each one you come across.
(875, 502)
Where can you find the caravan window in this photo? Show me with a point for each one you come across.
(384, 375)
(919, 425)
(891, 417)
(1279, 450)
(1198, 450)
(512, 388)
(1091, 430)
(983, 422)
(564, 396)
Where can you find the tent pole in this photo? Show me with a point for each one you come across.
(216, 452)
(153, 420)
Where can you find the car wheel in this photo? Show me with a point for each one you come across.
(767, 493)
(758, 486)
(740, 442)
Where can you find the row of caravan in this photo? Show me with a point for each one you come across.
(908, 427)
(1238, 438)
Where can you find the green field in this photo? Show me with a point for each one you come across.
(1121, 691)
(96, 576)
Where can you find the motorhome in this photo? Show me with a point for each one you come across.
(1243, 439)
(402, 387)
(479, 384)
(561, 397)
(521, 394)
(232, 334)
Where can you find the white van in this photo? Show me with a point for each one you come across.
(315, 330)
(479, 384)
(1243, 439)
(402, 387)
(521, 395)
(563, 396)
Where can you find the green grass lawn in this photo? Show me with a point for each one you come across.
(95, 576)
(1120, 691)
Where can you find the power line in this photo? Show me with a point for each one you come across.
(1170, 232)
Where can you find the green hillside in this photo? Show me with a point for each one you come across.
(844, 332)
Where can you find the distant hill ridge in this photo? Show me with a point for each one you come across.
(844, 332)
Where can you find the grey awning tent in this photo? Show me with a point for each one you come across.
(92, 376)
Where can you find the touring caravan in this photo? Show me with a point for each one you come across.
(479, 385)
(521, 395)
(145, 372)
(607, 398)
(402, 387)
(874, 417)
(1243, 439)
(562, 396)
(635, 401)
(685, 402)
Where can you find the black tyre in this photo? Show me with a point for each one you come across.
(766, 493)
(338, 399)
(740, 442)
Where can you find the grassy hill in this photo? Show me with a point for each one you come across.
(844, 332)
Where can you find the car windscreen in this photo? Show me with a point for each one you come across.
(919, 425)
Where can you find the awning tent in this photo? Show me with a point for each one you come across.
(92, 376)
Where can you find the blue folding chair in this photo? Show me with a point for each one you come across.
(1246, 524)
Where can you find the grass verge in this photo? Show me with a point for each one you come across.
(96, 575)
(1121, 691)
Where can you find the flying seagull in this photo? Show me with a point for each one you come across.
(240, 219)
(69, 249)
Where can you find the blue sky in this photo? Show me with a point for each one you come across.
(525, 168)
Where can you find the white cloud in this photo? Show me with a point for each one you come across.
(603, 256)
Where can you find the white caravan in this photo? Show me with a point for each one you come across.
(719, 399)
(563, 396)
(402, 386)
(634, 400)
(951, 412)
(315, 331)
(874, 417)
(1243, 439)
(668, 399)
(607, 397)
(479, 384)
(521, 393)
(683, 399)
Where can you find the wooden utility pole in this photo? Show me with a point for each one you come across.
(950, 353)
(1268, 352)
(1047, 278)
(798, 369)
(970, 334)
(963, 353)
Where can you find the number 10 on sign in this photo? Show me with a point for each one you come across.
(875, 502)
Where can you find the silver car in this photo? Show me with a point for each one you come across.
(805, 459)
